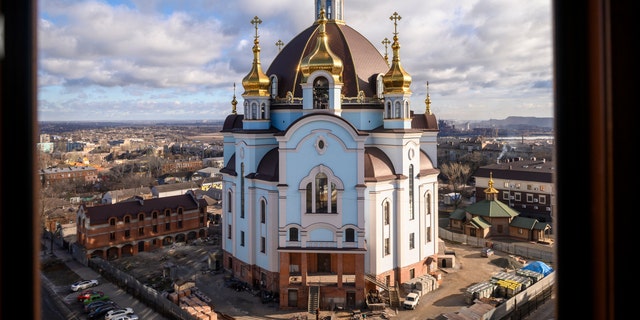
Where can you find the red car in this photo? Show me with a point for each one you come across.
(84, 295)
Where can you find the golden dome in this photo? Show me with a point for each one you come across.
(322, 58)
(396, 80)
(256, 83)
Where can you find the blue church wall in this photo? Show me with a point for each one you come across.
(282, 119)
(363, 120)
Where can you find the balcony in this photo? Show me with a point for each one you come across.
(323, 279)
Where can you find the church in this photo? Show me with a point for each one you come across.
(330, 188)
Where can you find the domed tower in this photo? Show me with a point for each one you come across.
(328, 67)
(397, 82)
(256, 94)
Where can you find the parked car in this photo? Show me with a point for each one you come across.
(83, 284)
(100, 312)
(88, 308)
(411, 300)
(486, 252)
(132, 316)
(95, 297)
(115, 313)
(86, 294)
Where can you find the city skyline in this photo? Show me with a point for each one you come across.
(173, 60)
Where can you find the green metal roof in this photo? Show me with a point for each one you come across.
(491, 208)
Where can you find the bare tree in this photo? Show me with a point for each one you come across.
(458, 175)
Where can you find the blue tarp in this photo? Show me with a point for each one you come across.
(539, 267)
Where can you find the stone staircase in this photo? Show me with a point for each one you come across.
(314, 299)
(392, 291)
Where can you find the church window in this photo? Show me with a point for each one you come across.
(309, 196)
(398, 110)
(412, 240)
(387, 213)
(254, 111)
(411, 187)
(274, 86)
(293, 234)
(263, 211)
(320, 93)
(349, 235)
(321, 192)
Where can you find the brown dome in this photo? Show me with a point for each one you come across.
(362, 62)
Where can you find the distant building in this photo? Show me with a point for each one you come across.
(524, 185)
(127, 228)
(492, 218)
(81, 174)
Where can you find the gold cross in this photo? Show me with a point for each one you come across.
(256, 21)
(279, 44)
(395, 17)
(385, 42)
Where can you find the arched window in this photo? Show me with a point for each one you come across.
(320, 93)
(141, 217)
(321, 191)
(386, 213)
(274, 86)
(112, 221)
(254, 111)
(398, 110)
(293, 234)
(127, 219)
(309, 196)
(411, 187)
(349, 235)
(167, 212)
(229, 201)
(155, 215)
(263, 211)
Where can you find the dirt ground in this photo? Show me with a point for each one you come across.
(188, 262)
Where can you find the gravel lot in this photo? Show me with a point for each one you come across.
(190, 260)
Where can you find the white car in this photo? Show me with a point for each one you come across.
(117, 313)
(131, 316)
(83, 284)
(411, 301)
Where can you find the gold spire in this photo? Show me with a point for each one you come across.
(396, 80)
(322, 58)
(234, 102)
(490, 189)
(256, 83)
(427, 101)
(386, 42)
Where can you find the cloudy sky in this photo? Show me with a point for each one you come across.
(178, 60)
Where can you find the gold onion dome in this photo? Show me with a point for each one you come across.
(396, 80)
(322, 58)
(256, 83)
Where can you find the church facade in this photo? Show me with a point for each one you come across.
(330, 180)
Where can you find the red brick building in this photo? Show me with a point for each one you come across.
(126, 228)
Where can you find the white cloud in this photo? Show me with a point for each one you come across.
(481, 58)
